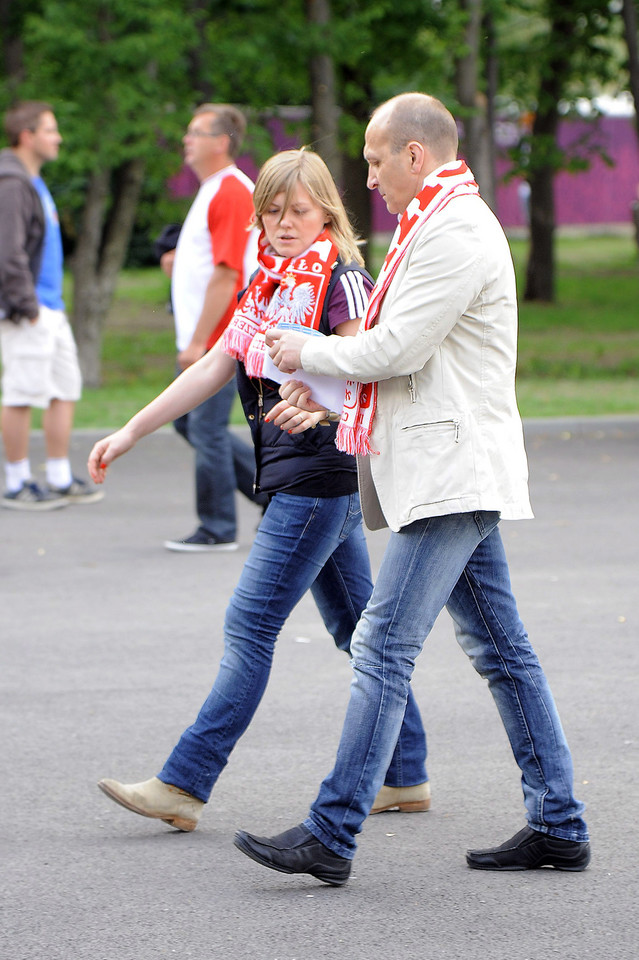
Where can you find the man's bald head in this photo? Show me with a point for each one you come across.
(421, 118)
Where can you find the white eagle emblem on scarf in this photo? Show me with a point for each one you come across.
(294, 303)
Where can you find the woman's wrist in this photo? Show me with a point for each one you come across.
(330, 417)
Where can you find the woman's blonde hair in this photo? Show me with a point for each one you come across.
(283, 171)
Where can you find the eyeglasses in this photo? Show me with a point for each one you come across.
(202, 133)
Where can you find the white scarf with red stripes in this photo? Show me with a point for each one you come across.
(440, 187)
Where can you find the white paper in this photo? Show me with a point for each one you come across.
(327, 391)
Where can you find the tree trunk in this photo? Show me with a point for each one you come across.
(100, 252)
(630, 24)
(357, 196)
(323, 96)
(198, 55)
(492, 85)
(478, 147)
(540, 275)
(11, 45)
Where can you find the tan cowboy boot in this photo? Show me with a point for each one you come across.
(156, 799)
(405, 799)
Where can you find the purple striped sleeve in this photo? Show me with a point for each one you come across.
(349, 298)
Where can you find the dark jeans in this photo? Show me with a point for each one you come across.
(223, 463)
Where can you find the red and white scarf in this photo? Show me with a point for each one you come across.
(440, 187)
(292, 289)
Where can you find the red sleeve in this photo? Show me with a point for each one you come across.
(230, 213)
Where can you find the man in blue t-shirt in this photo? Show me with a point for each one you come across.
(39, 356)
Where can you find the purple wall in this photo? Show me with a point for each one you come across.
(601, 194)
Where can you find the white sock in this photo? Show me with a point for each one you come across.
(17, 473)
(59, 472)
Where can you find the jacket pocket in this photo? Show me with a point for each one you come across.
(434, 462)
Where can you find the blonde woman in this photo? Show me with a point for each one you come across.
(311, 537)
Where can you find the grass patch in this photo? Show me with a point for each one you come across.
(571, 398)
(580, 355)
(597, 288)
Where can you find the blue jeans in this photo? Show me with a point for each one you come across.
(456, 561)
(302, 543)
(223, 463)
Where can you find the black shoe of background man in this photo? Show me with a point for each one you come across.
(530, 849)
(295, 851)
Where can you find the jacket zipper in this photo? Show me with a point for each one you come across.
(411, 388)
(259, 389)
(456, 423)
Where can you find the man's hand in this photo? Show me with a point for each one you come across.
(190, 355)
(166, 262)
(286, 349)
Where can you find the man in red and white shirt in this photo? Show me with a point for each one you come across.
(215, 255)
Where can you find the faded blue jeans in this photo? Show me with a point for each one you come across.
(456, 561)
(223, 463)
(302, 543)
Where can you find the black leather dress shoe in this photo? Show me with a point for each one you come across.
(530, 849)
(295, 851)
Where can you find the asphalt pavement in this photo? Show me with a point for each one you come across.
(110, 644)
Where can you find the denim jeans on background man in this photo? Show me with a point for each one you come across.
(456, 561)
(223, 463)
(302, 543)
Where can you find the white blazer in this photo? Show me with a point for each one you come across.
(447, 429)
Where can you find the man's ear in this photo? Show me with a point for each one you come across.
(417, 154)
(25, 138)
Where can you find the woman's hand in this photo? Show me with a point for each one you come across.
(106, 451)
(298, 394)
(288, 417)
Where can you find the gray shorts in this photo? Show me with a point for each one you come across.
(39, 361)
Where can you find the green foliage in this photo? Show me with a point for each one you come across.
(384, 48)
(116, 75)
(257, 55)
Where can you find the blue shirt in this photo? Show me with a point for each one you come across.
(49, 282)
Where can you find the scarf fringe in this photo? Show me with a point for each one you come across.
(354, 440)
(236, 343)
(254, 357)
